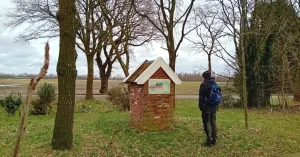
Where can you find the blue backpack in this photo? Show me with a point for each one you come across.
(215, 97)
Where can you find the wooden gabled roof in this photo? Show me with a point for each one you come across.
(148, 68)
(139, 71)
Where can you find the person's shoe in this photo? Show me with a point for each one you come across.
(214, 141)
(207, 143)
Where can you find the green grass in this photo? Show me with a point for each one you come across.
(188, 88)
(191, 88)
(270, 134)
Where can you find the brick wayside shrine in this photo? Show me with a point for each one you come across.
(152, 96)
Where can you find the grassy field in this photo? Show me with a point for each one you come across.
(184, 89)
(270, 134)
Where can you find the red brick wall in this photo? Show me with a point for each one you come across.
(136, 101)
(152, 112)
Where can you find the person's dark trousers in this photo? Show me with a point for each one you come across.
(210, 126)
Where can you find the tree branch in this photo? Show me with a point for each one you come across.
(30, 89)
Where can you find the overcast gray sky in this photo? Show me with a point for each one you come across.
(28, 58)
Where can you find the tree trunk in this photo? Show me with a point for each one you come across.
(244, 88)
(66, 71)
(297, 95)
(105, 72)
(126, 72)
(104, 84)
(242, 50)
(296, 85)
(172, 59)
(209, 62)
(90, 78)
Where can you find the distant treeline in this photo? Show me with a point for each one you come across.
(48, 76)
(183, 76)
(197, 77)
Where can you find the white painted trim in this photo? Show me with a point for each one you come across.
(134, 70)
(170, 73)
(148, 72)
(159, 62)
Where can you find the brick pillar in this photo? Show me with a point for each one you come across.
(136, 100)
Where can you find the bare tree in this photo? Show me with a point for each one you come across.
(40, 15)
(90, 39)
(105, 66)
(289, 54)
(234, 16)
(91, 34)
(227, 16)
(209, 30)
(292, 57)
(105, 30)
(125, 29)
(167, 17)
(230, 15)
(66, 71)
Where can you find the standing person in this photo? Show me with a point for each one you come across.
(209, 99)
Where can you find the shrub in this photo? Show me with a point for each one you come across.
(39, 108)
(46, 95)
(12, 102)
(230, 97)
(119, 96)
(1, 103)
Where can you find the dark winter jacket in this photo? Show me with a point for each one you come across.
(204, 93)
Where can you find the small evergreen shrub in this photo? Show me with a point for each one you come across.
(119, 97)
(12, 102)
(1, 103)
(46, 95)
(230, 98)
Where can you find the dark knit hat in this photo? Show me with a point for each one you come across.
(206, 74)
